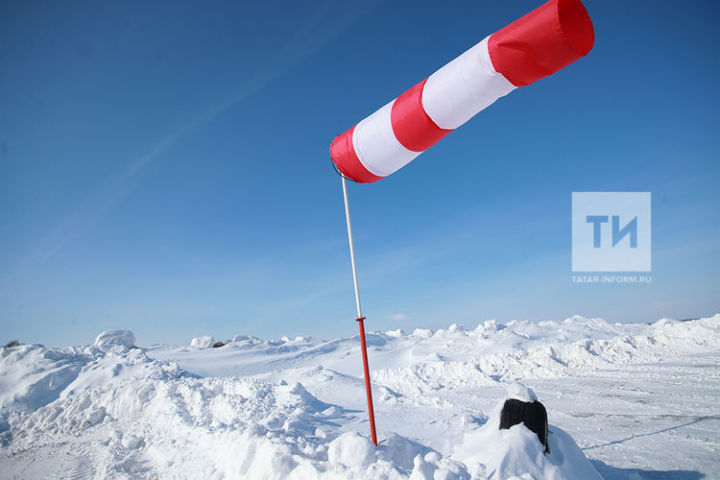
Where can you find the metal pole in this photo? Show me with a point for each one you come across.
(360, 319)
(352, 247)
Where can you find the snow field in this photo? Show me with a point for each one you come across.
(636, 398)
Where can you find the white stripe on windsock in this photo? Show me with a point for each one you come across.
(376, 145)
(450, 97)
(462, 88)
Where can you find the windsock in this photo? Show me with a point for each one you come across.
(533, 47)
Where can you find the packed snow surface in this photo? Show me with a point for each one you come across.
(624, 402)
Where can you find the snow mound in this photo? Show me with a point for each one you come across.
(351, 450)
(212, 428)
(115, 339)
(202, 342)
(32, 376)
(397, 333)
(292, 408)
(518, 391)
(517, 453)
(495, 454)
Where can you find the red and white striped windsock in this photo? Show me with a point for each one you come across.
(537, 45)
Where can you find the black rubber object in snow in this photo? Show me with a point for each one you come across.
(532, 414)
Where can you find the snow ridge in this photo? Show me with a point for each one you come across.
(294, 408)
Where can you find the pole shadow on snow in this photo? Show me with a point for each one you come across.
(615, 473)
(675, 427)
(609, 472)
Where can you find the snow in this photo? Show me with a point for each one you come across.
(499, 454)
(351, 451)
(202, 342)
(115, 339)
(624, 401)
(518, 391)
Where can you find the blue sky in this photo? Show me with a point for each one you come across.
(164, 168)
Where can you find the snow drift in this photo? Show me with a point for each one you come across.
(294, 408)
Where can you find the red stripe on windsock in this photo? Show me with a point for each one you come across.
(413, 128)
(542, 42)
(343, 155)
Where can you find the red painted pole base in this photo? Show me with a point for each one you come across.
(368, 390)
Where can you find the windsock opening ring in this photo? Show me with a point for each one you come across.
(576, 23)
(548, 39)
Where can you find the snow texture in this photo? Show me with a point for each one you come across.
(624, 402)
(518, 391)
(122, 340)
(202, 342)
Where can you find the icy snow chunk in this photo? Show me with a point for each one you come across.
(489, 326)
(422, 333)
(422, 470)
(518, 391)
(202, 342)
(95, 416)
(395, 333)
(351, 450)
(434, 467)
(131, 442)
(115, 339)
(576, 319)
